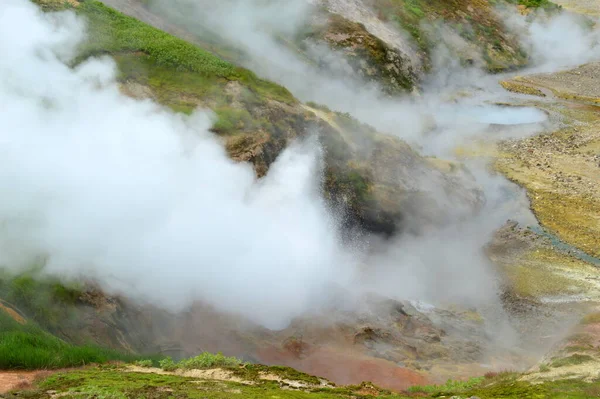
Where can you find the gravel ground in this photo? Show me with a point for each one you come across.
(582, 81)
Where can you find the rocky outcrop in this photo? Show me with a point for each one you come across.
(370, 57)
(470, 29)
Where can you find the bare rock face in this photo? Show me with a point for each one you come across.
(385, 186)
(359, 12)
(371, 58)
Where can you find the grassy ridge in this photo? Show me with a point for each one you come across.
(27, 346)
(45, 300)
(115, 33)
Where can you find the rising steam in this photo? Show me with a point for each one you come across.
(147, 201)
(144, 200)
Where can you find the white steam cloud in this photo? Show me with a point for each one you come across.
(556, 41)
(140, 198)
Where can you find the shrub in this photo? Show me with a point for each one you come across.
(208, 360)
(167, 364)
(147, 363)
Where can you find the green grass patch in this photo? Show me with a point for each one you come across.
(572, 360)
(207, 360)
(451, 386)
(163, 56)
(544, 368)
(146, 363)
(44, 299)
(231, 120)
(115, 33)
(204, 360)
(27, 346)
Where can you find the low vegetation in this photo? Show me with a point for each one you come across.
(46, 300)
(545, 4)
(572, 360)
(27, 347)
(367, 54)
(472, 20)
(205, 360)
(114, 381)
(450, 386)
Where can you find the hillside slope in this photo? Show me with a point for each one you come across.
(257, 119)
(390, 43)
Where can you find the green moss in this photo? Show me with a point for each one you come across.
(572, 360)
(232, 120)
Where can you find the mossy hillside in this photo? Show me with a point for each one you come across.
(256, 119)
(81, 314)
(46, 300)
(472, 20)
(24, 345)
(113, 32)
(184, 77)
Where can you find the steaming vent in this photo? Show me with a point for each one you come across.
(508, 116)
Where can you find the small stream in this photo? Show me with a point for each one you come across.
(562, 246)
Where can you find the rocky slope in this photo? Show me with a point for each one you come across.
(391, 43)
(373, 176)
